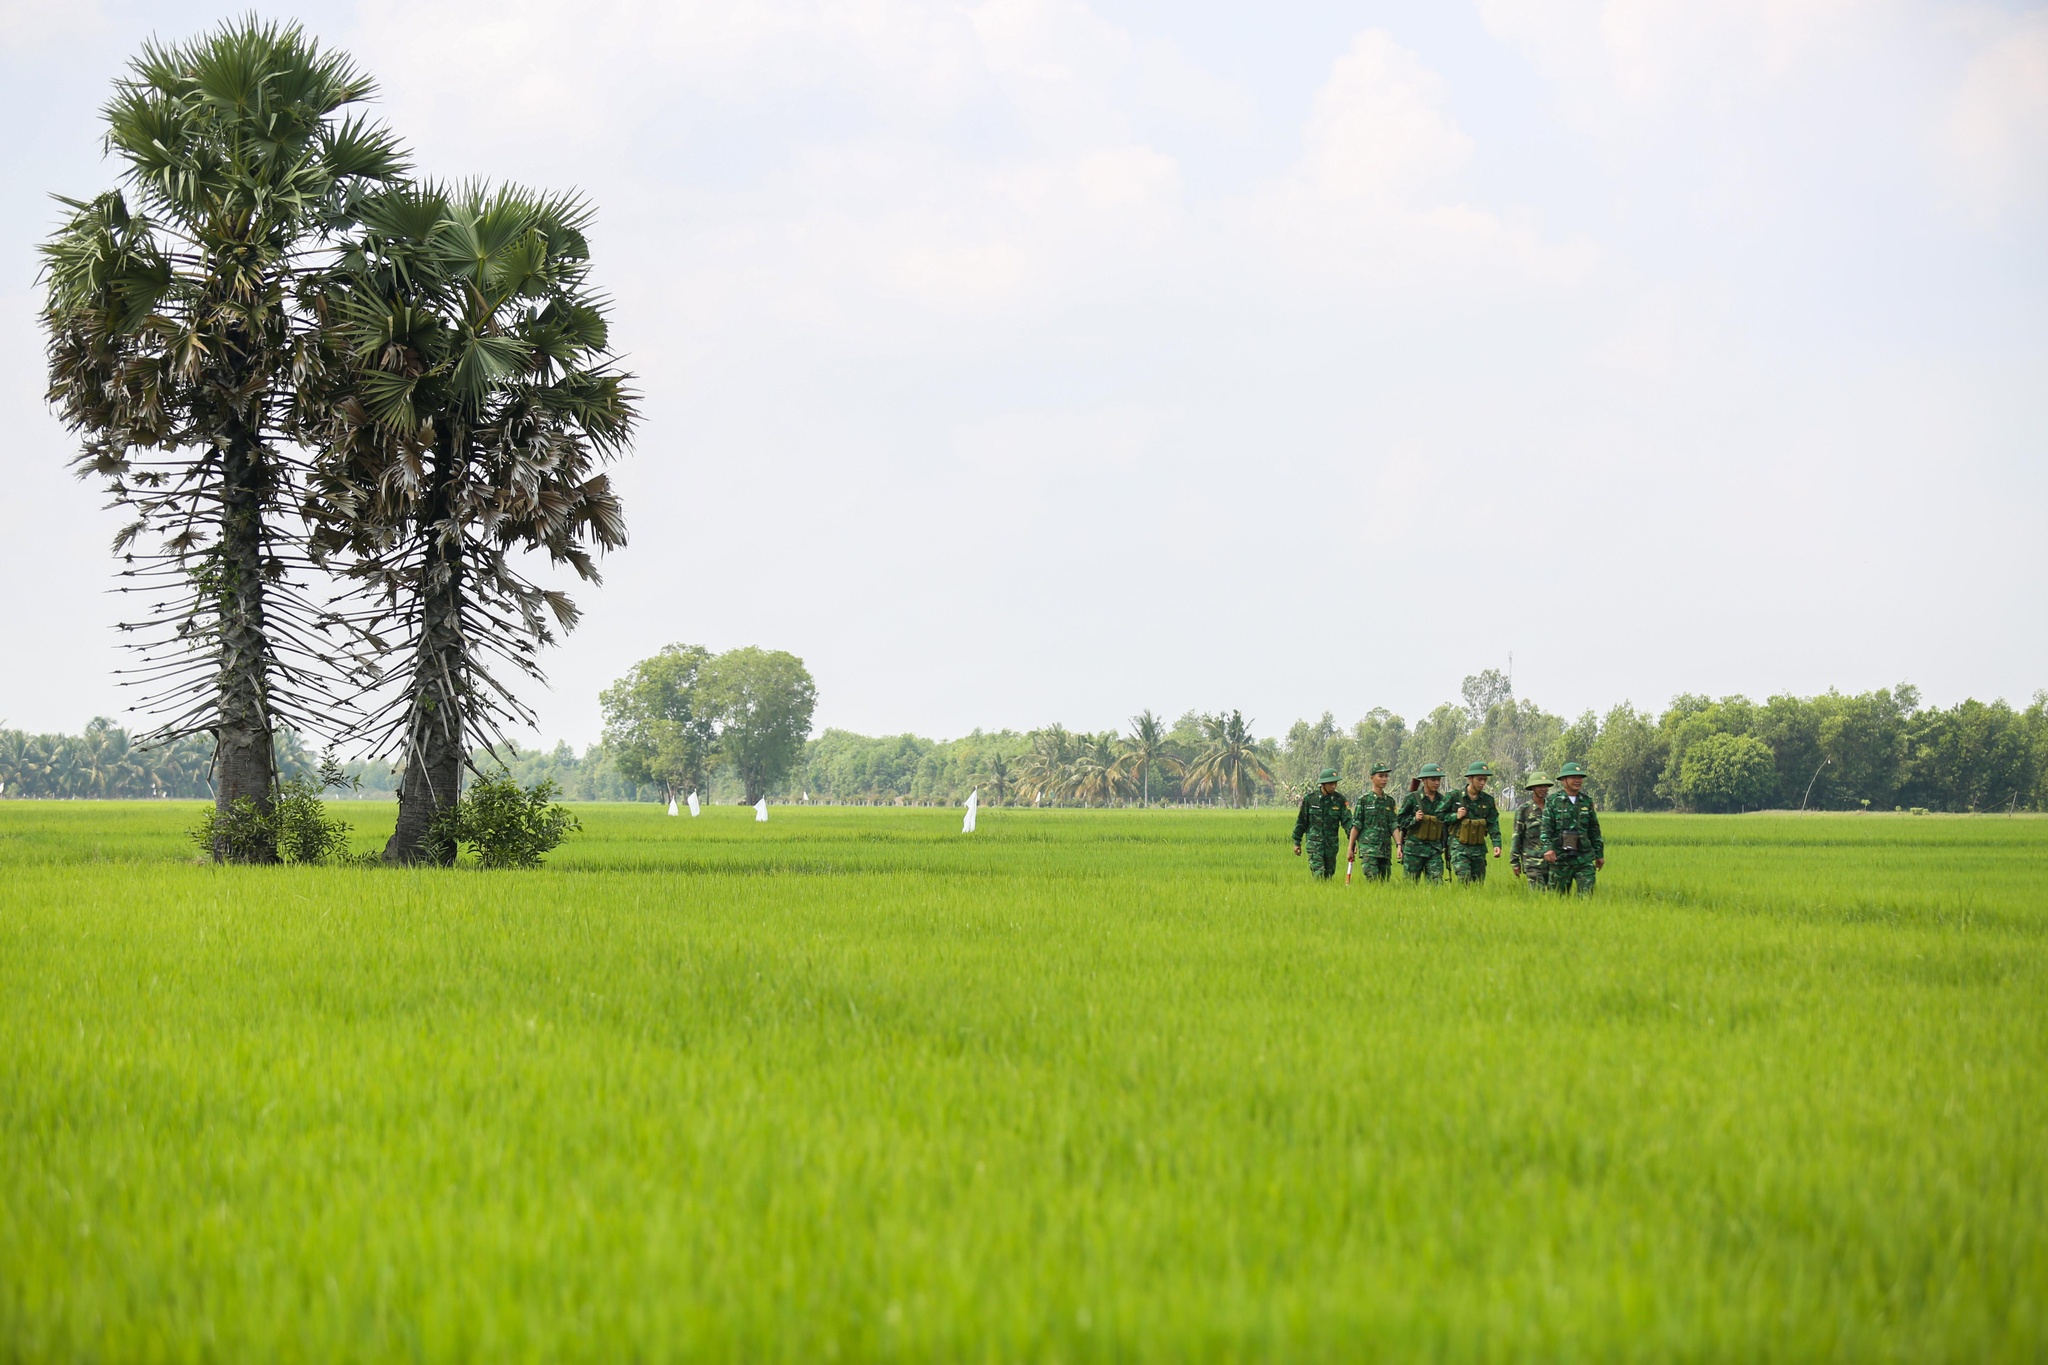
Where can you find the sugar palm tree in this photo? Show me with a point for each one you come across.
(467, 400)
(174, 335)
(1145, 750)
(1230, 762)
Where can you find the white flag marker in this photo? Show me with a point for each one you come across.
(693, 805)
(761, 811)
(671, 805)
(973, 805)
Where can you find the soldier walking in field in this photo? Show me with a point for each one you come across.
(1372, 829)
(1572, 845)
(1325, 817)
(1525, 853)
(1478, 824)
(1424, 823)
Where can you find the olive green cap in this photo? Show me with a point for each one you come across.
(1329, 775)
(1537, 780)
(1573, 770)
(1478, 770)
(1431, 770)
(1383, 767)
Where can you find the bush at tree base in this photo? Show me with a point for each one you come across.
(504, 824)
(297, 825)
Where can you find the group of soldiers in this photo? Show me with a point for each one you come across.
(1432, 832)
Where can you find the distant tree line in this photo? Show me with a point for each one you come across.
(104, 763)
(1878, 750)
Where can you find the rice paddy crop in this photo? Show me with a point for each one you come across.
(1080, 1086)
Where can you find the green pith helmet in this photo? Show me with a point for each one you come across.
(1537, 780)
(1431, 770)
(1382, 768)
(1478, 770)
(1329, 775)
(1572, 770)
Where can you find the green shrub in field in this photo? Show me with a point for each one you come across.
(506, 825)
(296, 826)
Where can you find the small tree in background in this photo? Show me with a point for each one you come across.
(762, 701)
(1725, 772)
(658, 725)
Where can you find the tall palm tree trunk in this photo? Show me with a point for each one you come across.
(245, 762)
(434, 751)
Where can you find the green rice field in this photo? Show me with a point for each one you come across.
(1080, 1086)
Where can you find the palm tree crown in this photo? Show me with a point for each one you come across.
(1146, 750)
(1231, 763)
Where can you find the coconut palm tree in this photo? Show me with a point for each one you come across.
(1231, 763)
(174, 334)
(1145, 750)
(1097, 776)
(996, 778)
(1045, 770)
(103, 765)
(465, 403)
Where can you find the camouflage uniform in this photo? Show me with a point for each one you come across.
(1562, 815)
(1424, 857)
(1325, 820)
(1525, 853)
(1374, 818)
(1468, 860)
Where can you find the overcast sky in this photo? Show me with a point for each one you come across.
(1035, 360)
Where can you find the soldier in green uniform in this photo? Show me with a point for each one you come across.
(1325, 817)
(1372, 830)
(1572, 845)
(1424, 822)
(1525, 854)
(1477, 824)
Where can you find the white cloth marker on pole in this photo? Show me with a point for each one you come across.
(671, 805)
(693, 805)
(973, 805)
(761, 811)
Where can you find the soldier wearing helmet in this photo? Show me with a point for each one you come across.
(1477, 824)
(1372, 833)
(1572, 846)
(1525, 853)
(1325, 817)
(1424, 822)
